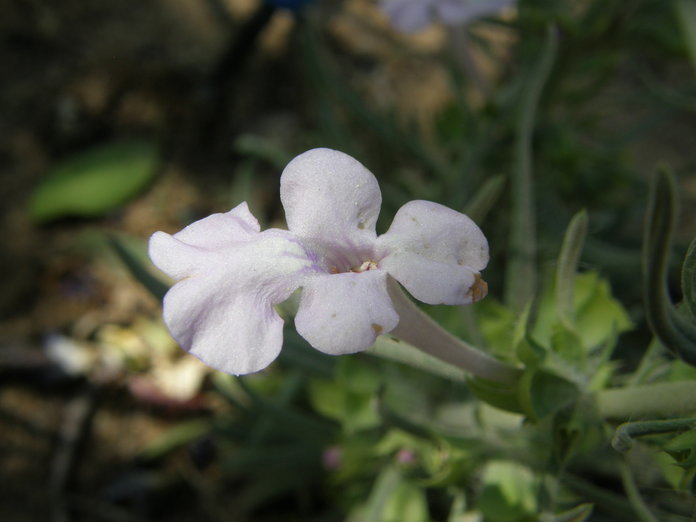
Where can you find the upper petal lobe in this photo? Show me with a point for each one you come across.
(328, 194)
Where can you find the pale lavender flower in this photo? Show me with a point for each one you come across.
(413, 15)
(230, 274)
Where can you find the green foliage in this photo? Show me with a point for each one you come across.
(95, 181)
(402, 436)
(508, 492)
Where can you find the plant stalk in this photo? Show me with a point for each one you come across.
(662, 399)
(419, 330)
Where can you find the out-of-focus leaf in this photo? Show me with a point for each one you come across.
(598, 316)
(133, 262)
(497, 324)
(508, 492)
(485, 199)
(265, 149)
(567, 267)
(181, 434)
(674, 330)
(350, 397)
(499, 395)
(542, 393)
(95, 181)
(682, 448)
(688, 279)
(392, 499)
(686, 13)
(579, 513)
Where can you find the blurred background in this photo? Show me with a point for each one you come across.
(121, 118)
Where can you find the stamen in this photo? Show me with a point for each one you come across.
(365, 266)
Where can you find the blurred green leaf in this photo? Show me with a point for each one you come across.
(393, 499)
(567, 267)
(485, 198)
(95, 181)
(674, 330)
(349, 398)
(682, 448)
(259, 147)
(137, 268)
(177, 436)
(579, 513)
(688, 279)
(542, 393)
(508, 492)
(496, 394)
(686, 13)
(598, 315)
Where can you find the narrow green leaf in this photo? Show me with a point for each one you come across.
(567, 267)
(177, 436)
(262, 148)
(485, 198)
(688, 279)
(682, 448)
(520, 278)
(686, 13)
(672, 328)
(385, 486)
(499, 395)
(579, 513)
(95, 181)
(151, 283)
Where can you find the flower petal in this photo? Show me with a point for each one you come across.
(408, 15)
(219, 230)
(234, 332)
(328, 195)
(222, 311)
(435, 252)
(178, 255)
(453, 12)
(344, 313)
(434, 282)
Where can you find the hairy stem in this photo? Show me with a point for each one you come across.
(660, 399)
(419, 330)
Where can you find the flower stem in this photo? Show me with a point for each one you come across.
(660, 399)
(419, 330)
